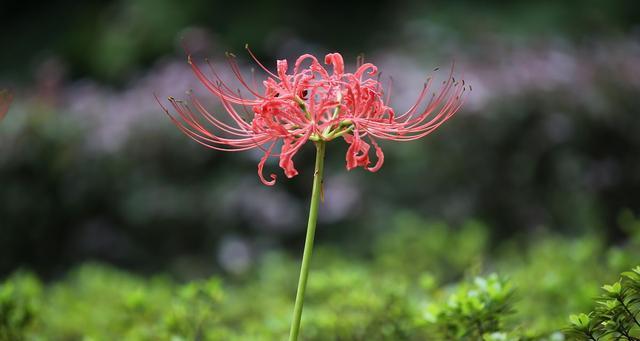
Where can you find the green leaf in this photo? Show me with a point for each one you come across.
(613, 289)
(581, 321)
(631, 275)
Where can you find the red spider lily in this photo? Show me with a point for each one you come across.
(5, 101)
(311, 104)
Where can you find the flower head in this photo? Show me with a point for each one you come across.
(310, 103)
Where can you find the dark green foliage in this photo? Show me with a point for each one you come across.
(617, 316)
(110, 39)
(382, 298)
(19, 305)
(474, 309)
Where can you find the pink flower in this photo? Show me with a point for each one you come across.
(5, 101)
(311, 103)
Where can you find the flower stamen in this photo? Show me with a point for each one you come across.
(312, 104)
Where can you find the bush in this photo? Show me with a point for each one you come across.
(421, 281)
(20, 296)
(617, 315)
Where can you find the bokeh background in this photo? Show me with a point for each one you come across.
(92, 170)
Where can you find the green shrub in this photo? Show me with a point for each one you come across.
(617, 316)
(474, 310)
(421, 281)
(19, 305)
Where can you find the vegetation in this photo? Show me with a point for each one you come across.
(116, 227)
(616, 317)
(383, 297)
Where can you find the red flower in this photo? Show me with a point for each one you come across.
(311, 104)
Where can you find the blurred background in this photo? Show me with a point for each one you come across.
(91, 169)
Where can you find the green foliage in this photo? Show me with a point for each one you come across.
(554, 272)
(617, 315)
(19, 305)
(379, 298)
(422, 252)
(475, 311)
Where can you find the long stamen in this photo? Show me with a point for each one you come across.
(236, 71)
(246, 46)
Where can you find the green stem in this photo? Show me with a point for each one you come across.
(628, 311)
(308, 244)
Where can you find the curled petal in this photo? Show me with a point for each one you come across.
(351, 162)
(379, 155)
(373, 70)
(358, 152)
(286, 159)
(282, 66)
(336, 60)
(301, 59)
(282, 72)
(261, 167)
(316, 67)
(289, 148)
